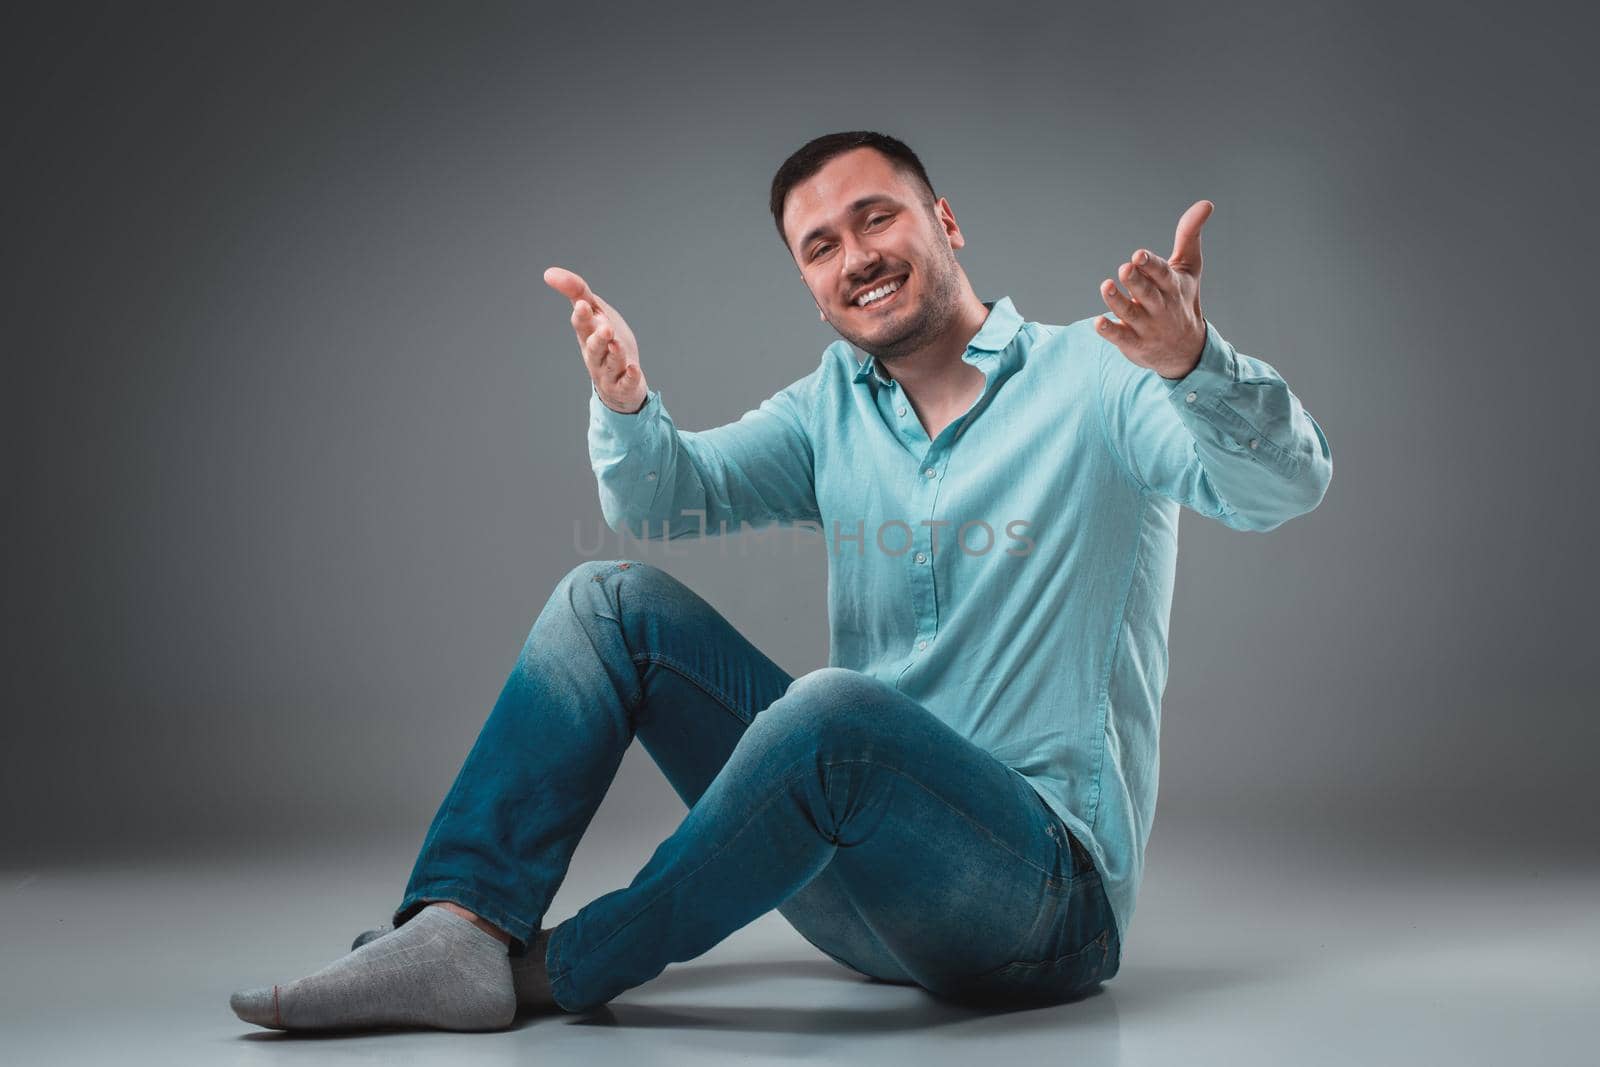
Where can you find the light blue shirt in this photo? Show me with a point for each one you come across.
(1043, 641)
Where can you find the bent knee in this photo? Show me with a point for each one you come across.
(832, 712)
(834, 685)
(630, 590)
(635, 574)
(831, 698)
(597, 570)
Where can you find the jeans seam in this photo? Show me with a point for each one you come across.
(1050, 879)
(785, 781)
(704, 685)
(1101, 940)
(783, 784)
(447, 810)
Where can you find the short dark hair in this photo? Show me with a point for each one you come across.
(815, 153)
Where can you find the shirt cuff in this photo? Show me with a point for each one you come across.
(624, 429)
(1216, 372)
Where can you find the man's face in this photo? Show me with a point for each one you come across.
(858, 224)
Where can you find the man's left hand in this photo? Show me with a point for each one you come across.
(1162, 326)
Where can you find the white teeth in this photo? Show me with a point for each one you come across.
(877, 294)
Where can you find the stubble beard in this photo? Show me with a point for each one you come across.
(935, 312)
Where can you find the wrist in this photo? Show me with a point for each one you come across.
(627, 411)
(1182, 371)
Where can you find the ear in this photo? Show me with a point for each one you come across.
(947, 220)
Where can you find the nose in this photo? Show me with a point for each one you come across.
(860, 261)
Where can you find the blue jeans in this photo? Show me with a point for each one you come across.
(891, 843)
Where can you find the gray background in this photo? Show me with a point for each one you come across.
(295, 453)
(296, 431)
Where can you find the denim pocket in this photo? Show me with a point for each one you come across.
(1081, 949)
(1026, 983)
(1053, 981)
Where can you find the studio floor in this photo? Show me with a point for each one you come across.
(1267, 944)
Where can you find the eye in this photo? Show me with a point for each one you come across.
(878, 218)
(818, 250)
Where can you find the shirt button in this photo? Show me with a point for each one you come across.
(1252, 442)
(650, 477)
(1189, 399)
(921, 558)
(901, 411)
(921, 645)
(930, 472)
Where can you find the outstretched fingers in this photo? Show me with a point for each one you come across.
(600, 352)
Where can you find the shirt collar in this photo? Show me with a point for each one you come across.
(995, 335)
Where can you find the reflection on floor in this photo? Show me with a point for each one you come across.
(1266, 947)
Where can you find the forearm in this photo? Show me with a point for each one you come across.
(636, 459)
(1264, 460)
(657, 481)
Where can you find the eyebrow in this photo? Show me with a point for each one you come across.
(865, 201)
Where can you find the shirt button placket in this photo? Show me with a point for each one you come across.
(921, 561)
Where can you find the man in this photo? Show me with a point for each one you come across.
(961, 800)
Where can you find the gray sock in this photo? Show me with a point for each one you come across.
(529, 978)
(438, 970)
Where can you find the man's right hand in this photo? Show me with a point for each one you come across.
(609, 350)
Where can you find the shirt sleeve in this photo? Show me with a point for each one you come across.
(657, 481)
(1229, 440)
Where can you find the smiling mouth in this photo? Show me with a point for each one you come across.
(883, 301)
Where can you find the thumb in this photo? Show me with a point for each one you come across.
(569, 284)
(1186, 242)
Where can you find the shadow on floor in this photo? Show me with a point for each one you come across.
(1150, 987)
